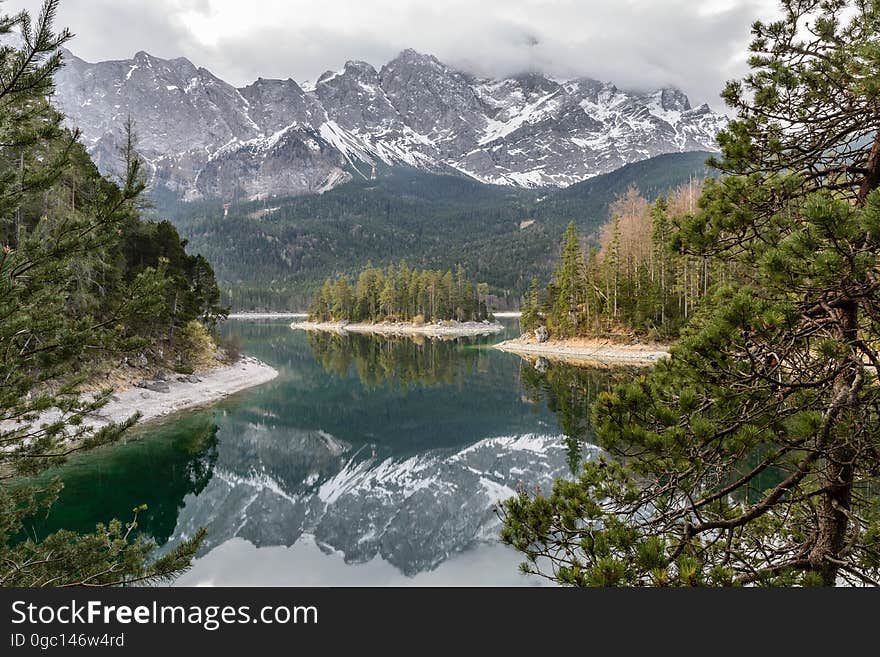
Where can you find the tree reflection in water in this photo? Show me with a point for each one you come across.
(409, 361)
(569, 391)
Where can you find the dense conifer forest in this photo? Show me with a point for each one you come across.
(400, 293)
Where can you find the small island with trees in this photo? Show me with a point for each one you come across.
(400, 300)
(625, 298)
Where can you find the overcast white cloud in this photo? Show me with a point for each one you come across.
(695, 46)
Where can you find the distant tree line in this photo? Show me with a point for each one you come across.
(635, 281)
(401, 293)
(271, 296)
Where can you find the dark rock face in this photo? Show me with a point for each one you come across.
(435, 101)
(355, 99)
(296, 160)
(202, 137)
(277, 104)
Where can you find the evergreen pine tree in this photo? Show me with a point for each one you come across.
(568, 286)
(530, 319)
(66, 296)
(750, 456)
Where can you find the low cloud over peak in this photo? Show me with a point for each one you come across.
(637, 44)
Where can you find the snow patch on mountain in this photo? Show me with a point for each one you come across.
(275, 137)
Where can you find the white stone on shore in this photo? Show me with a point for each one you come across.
(607, 354)
(181, 395)
(212, 386)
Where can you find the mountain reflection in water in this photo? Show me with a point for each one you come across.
(367, 461)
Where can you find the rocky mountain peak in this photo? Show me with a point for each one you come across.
(361, 68)
(435, 100)
(276, 104)
(203, 137)
(535, 83)
(412, 57)
(354, 99)
(673, 100)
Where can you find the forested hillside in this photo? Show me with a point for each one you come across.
(85, 285)
(275, 253)
(132, 274)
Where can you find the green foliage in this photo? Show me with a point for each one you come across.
(635, 284)
(191, 291)
(108, 556)
(807, 117)
(74, 292)
(530, 318)
(399, 293)
(749, 457)
(568, 286)
(195, 344)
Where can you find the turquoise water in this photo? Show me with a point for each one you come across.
(368, 461)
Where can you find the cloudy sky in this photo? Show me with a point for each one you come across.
(694, 45)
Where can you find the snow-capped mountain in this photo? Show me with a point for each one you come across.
(202, 137)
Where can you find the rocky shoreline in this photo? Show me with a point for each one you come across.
(587, 351)
(157, 398)
(435, 330)
(267, 315)
(167, 394)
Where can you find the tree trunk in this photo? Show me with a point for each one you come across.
(872, 179)
(838, 478)
(838, 474)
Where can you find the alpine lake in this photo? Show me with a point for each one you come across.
(369, 461)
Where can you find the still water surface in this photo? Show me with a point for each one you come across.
(368, 461)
